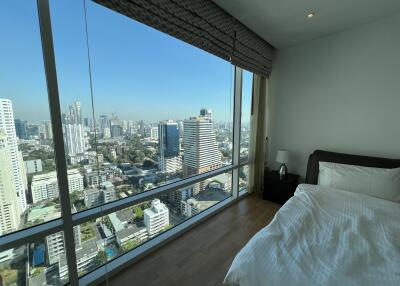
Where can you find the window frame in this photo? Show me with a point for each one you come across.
(68, 220)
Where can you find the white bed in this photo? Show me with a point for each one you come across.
(324, 236)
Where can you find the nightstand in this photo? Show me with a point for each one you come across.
(279, 191)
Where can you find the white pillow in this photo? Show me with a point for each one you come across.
(376, 182)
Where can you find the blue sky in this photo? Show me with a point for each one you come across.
(138, 72)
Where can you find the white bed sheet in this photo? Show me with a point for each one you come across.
(324, 236)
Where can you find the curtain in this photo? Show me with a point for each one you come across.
(259, 133)
(201, 23)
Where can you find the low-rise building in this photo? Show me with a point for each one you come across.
(95, 178)
(137, 232)
(94, 197)
(45, 186)
(202, 201)
(85, 256)
(156, 218)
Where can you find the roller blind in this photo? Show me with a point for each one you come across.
(204, 24)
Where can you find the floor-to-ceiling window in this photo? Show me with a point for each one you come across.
(147, 141)
(245, 131)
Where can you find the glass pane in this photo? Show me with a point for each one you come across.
(108, 237)
(34, 263)
(246, 114)
(28, 182)
(88, 186)
(243, 178)
(162, 107)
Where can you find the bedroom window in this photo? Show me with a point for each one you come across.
(247, 84)
(245, 130)
(28, 181)
(162, 108)
(119, 156)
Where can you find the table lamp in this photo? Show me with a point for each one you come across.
(282, 156)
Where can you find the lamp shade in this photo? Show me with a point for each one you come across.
(282, 156)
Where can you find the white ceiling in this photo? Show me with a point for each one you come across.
(284, 23)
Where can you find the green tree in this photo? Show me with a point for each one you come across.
(100, 258)
(138, 213)
(108, 223)
(129, 245)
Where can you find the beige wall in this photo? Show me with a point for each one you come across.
(339, 93)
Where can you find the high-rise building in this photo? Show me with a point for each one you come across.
(86, 122)
(21, 128)
(156, 218)
(206, 113)
(201, 150)
(13, 181)
(168, 139)
(75, 114)
(48, 132)
(103, 123)
(9, 210)
(154, 133)
(106, 133)
(116, 131)
(74, 139)
(45, 186)
(33, 130)
(180, 127)
(141, 128)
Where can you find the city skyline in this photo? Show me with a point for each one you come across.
(154, 123)
(125, 83)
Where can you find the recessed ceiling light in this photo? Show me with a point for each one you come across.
(310, 15)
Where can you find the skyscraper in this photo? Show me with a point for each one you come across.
(201, 152)
(9, 211)
(103, 123)
(48, 132)
(168, 139)
(21, 129)
(74, 139)
(75, 114)
(141, 128)
(116, 131)
(154, 133)
(12, 169)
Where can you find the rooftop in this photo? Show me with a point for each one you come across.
(87, 249)
(207, 198)
(130, 230)
(156, 207)
(53, 175)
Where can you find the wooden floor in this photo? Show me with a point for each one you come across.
(202, 255)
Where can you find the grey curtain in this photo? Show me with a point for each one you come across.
(204, 24)
(259, 133)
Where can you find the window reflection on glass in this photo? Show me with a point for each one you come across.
(246, 113)
(162, 107)
(108, 237)
(35, 263)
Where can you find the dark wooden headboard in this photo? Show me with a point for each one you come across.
(325, 156)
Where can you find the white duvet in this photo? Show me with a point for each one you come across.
(324, 236)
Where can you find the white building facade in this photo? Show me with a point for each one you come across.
(13, 181)
(156, 218)
(45, 186)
